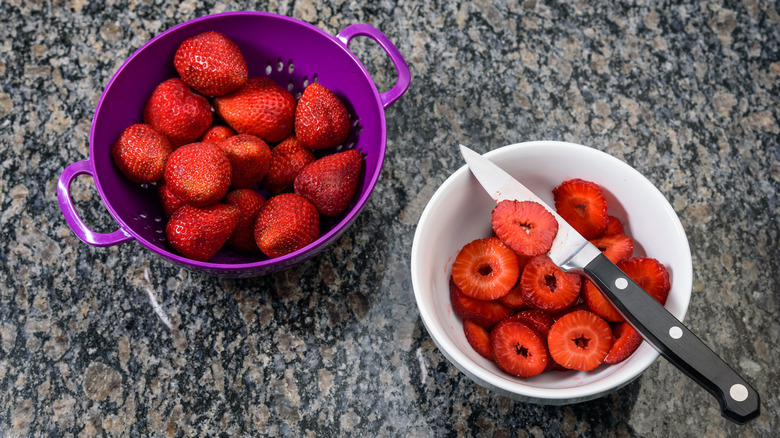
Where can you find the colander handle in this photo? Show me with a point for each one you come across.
(404, 76)
(69, 210)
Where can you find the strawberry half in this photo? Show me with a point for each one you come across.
(518, 348)
(485, 269)
(285, 224)
(216, 134)
(250, 158)
(211, 63)
(248, 202)
(198, 173)
(599, 304)
(583, 205)
(545, 286)
(484, 313)
(177, 112)
(140, 153)
(198, 233)
(478, 338)
(288, 158)
(616, 247)
(579, 340)
(649, 274)
(330, 183)
(261, 107)
(526, 227)
(626, 340)
(321, 119)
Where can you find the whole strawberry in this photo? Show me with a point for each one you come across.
(250, 158)
(288, 158)
(321, 119)
(260, 107)
(248, 202)
(177, 112)
(170, 202)
(330, 183)
(199, 233)
(286, 223)
(140, 153)
(217, 133)
(198, 173)
(211, 63)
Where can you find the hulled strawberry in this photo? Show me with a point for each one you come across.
(285, 224)
(199, 233)
(583, 205)
(140, 153)
(248, 202)
(288, 158)
(250, 158)
(177, 112)
(485, 269)
(261, 108)
(211, 63)
(321, 119)
(330, 183)
(198, 173)
(217, 133)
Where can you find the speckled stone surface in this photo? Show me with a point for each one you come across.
(686, 94)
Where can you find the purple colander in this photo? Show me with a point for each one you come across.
(290, 51)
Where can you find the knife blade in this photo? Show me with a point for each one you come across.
(738, 401)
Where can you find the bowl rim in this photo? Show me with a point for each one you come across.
(515, 387)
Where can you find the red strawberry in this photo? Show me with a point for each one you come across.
(177, 112)
(170, 202)
(539, 319)
(485, 269)
(617, 247)
(286, 223)
(321, 119)
(261, 107)
(518, 348)
(484, 313)
(599, 304)
(526, 227)
(649, 274)
(613, 226)
(198, 233)
(626, 340)
(478, 338)
(140, 153)
(211, 63)
(216, 134)
(545, 286)
(583, 205)
(514, 299)
(198, 173)
(579, 340)
(248, 202)
(288, 158)
(250, 158)
(331, 182)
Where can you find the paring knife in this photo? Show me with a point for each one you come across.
(739, 402)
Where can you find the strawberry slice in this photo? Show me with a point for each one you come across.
(625, 342)
(614, 226)
(579, 340)
(526, 227)
(539, 319)
(484, 313)
(545, 286)
(617, 247)
(650, 274)
(478, 338)
(599, 304)
(486, 269)
(518, 348)
(583, 205)
(514, 299)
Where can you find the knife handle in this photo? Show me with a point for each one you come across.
(739, 402)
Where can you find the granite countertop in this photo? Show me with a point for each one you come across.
(115, 341)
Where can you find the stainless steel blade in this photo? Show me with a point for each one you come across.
(569, 250)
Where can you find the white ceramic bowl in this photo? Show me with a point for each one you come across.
(459, 212)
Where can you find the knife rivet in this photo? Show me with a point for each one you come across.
(621, 283)
(675, 332)
(738, 392)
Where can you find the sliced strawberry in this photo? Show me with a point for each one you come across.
(617, 247)
(485, 269)
(478, 338)
(649, 274)
(526, 227)
(539, 319)
(579, 340)
(518, 348)
(484, 313)
(613, 226)
(545, 286)
(514, 299)
(625, 342)
(583, 205)
(599, 304)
